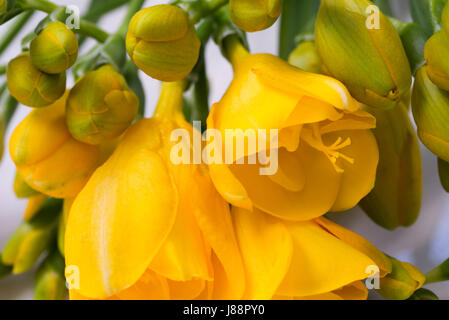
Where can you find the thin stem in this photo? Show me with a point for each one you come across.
(198, 12)
(14, 29)
(86, 28)
(171, 100)
(235, 50)
(133, 7)
(2, 69)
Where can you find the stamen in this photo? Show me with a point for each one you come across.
(331, 152)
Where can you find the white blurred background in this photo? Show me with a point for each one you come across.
(425, 244)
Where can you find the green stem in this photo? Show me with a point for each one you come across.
(2, 69)
(14, 29)
(298, 17)
(86, 28)
(133, 7)
(200, 9)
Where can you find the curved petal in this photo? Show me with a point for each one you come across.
(315, 199)
(321, 262)
(266, 247)
(359, 177)
(120, 219)
(214, 219)
(186, 290)
(358, 242)
(150, 286)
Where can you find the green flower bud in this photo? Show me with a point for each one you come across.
(32, 238)
(436, 52)
(255, 15)
(430, 106)
(306, 57)
(50, 279)
(367, 57)
(162, 42)
(439, 273)
(55, 49)
(22, 189)
(100, 107)
(396, 198)
(443, 171)
(402, 282)
(32, 87)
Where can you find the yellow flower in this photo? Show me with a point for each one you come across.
(48, 158)
(314, 259)
(146, 228)
(327, 156)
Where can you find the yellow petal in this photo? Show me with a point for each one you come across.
(266, 247)
(150, 286)
(121, 218)
(321, 262)
(358, 242)
(214, 219)
(359, 177)
(33, 205)
(315, 199)
(186, 290)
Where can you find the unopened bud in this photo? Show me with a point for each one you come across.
(255, 15)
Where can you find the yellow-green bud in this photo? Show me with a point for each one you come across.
(430, 106)
(255, 15)
(402, 282)
(306, 57)
(100, 107)
(396, 198)
(163, 43)
(436, 53)
(32, 87)
(32, 238)
(23, 189)
(50, 281)
(2, 6)
(55, 49)
(360, 47)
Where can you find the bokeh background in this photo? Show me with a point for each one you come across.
(425, 244)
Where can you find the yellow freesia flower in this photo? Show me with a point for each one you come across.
(146, 228)
(327, 156)
(48, 158)
(314, 259)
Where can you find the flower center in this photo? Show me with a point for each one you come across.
(332, 152)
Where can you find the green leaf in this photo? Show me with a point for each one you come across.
(298, 17)
(427, 13)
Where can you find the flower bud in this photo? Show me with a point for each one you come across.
(32, 87)
(50, 279)
(162, 42)
(430, 106)
(369, 59)
(255, 15)
(396, 198)
(436, 52)
(402, 282)
(48, 158)
(306, 57)
(35, 205)
(423, 294)
(100, 106)
(22, 189)
(32, 238)
(55, 49)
